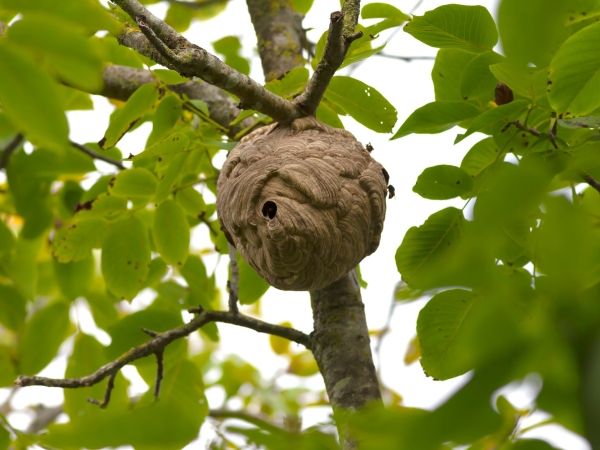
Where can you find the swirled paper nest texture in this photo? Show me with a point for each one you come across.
(303, 203)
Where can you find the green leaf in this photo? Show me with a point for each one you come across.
(522, 80)
(424, 247)
(191, 201)
(443, 182)
(29, 97)
(171, 423)
(447, 73)
(436, 117)
(76, 242)
(575, 72)
(7, 239)
(136, 183)
(327, 115)
(158, 269)
(478, 81)
(4, 438)
(470, 28)
(74, 278)
(41, 337)
(532, 31)
(439, 329)
(75, 58)
(360, 54)
(142, 100)
(170, 170)
(169, 76)
(302, 6)
(480, 157)
(230, 47)
(580, 122)
(8, 374)
(13, 308)
(126, 257)
(171, 145)
(364, 103)
(382, 10)
(171, 233)
(251, 285)
(292, 83)
(494, 119)
(168, 112)
(97, 17)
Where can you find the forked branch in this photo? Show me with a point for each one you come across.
(156, 347)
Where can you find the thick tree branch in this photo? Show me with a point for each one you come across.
(190, 60)
(9, 149)
(233, 282)
(158, 344)
(88, 151)
(280, 35)
(341, 35)
(342, 349)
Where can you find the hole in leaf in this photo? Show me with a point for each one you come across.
(269, 209)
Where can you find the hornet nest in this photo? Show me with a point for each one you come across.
(303, 203)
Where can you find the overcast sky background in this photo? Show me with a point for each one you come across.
(407, 86)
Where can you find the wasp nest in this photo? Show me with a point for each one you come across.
(303, 203)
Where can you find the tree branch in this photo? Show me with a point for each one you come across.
(9, 149)
(591, 181)
(88, 151)
(233, 282)
(177, 53)
(342, 350)
(341, 35)
(158, 344)
(280, 36)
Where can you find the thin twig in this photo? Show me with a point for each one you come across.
(9, 149)
(531, 130)
(160, 42)
(233, 282)
(88, 151)
(159, 343)
(591, 181)
(159, 373)
(406, 58)
(109, 387)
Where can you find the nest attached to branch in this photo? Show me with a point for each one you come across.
(302, 203)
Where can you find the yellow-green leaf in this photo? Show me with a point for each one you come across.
(76, 59)
(41, 336)
(574, 74)
(171, 233)
(28, 96)
(126, 257)
(138, 104)
(136, 183)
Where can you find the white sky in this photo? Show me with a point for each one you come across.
(407, 86)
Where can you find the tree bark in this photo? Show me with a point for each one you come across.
(341, 346)
(280, 35)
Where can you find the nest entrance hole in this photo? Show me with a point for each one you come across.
(269, 209)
